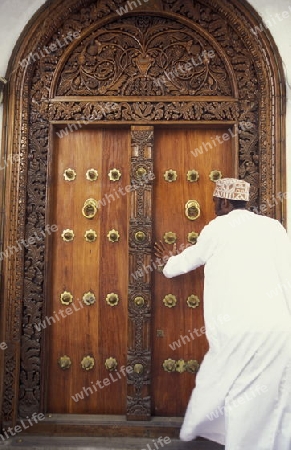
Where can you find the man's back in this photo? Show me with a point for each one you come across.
(247, 261)
(248, 274)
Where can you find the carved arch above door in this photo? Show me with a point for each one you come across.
(141, 79)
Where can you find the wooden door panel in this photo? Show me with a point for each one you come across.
(101, 267)
(172, 150)
(79, 266)
(114, 268)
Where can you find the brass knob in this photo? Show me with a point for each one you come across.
(170, 175)
(138, 368)
(169, 365)
(87, 362)
(66, 298)
(111, 363)
(170, 237)
(139, 301)
(181, 366)
(68, 235)
(90, 208)
(192, 237)
(193, 301)
(69, 174)
(89, 298)
(170, 300)
(64, 362)
(112, 299)
(114, 174)
(113, 235)
(92, 175)
(140, 236)
(215, 175)
(90, 235)
(192, 176)
(141, 171)
(192, 366)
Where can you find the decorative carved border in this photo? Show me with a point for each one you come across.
(27, 120)
(88, 112)
(139, 292)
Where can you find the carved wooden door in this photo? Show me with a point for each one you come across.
(86, 322)
(187, 63)
(186, 162)
(107, 195)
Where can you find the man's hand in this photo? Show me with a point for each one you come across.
(162, 253)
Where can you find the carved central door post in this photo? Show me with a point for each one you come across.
(140, 268)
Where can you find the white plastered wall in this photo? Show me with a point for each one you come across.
(14, 15)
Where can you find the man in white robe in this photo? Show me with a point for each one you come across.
(242, 397)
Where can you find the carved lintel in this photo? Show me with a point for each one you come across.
(137, 111)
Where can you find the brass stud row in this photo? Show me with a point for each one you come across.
(89, 298)
(90, 235)
(87, 363)
(170, 301)
(113, 235)
(192, 176)
(171, 238)
(114, 175)
(91, 174)
(70, 174)
(191, 366)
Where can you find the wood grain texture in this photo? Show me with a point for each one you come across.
(100, 267)
(171, 390)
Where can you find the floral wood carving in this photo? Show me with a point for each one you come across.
(144, 110)
(138, 404)
(145, 55)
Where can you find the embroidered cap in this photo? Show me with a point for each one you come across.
(232, 189)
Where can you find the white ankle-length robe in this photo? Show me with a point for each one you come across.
(242, 397)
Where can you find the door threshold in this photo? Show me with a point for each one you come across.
(105, 425)
(103, 443)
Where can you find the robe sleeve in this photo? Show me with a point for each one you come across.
(192, 257)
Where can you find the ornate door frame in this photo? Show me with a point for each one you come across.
(254, 95)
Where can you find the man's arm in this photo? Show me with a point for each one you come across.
(191, 258)
(186, 261)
